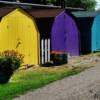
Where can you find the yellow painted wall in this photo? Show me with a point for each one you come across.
(18, 31)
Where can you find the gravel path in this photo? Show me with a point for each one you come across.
(83, 86)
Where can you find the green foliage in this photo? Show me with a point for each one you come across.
(35, 1)
(86, 4)
(74, 3)
(9, 63)
(10, 60)
(89, 4)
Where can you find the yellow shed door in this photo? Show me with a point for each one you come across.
(18, 31)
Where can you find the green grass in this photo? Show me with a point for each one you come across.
(25, 80)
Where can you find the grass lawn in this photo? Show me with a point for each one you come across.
(30, 79)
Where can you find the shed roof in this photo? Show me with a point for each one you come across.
(37, 13)
(47, 12)
(81, 14)
(35, 10)
(5, 10)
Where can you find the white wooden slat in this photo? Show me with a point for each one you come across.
(48, 50)
(45, 51)
(42, 51)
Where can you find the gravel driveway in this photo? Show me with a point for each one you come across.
(83, 86)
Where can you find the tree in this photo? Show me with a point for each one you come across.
(89, 4)
(86, 4)
(31, 1)
(35, 1)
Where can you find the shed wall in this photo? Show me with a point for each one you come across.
(96, 34)
(18, 31)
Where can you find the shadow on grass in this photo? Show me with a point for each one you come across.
(48, 64)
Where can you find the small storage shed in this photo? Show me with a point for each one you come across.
(96, 33)
(84, 21)
(18, 31)
(65, 34)
(44, 20)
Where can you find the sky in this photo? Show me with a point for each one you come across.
(98, 4)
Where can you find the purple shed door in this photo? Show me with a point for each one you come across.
(65, 35)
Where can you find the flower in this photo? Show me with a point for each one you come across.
(12, 54)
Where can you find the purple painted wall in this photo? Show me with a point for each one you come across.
(65, 35)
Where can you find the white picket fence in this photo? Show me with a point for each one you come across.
(45, 51)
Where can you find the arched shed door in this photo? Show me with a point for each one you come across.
(18, 31)
(65, 35)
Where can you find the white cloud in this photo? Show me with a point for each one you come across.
(98, 4)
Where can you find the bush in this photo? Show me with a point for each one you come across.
(10, 61)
